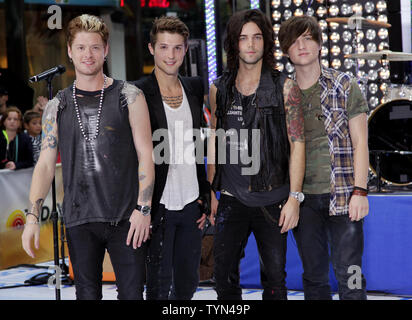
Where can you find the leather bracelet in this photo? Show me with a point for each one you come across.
(357, 192)
(361, 189)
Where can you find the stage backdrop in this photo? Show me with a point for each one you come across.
(387, 258)
(14, 203)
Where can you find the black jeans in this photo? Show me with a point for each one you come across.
(234, 223)
(174, 254)
(317, 229)
(87, 245)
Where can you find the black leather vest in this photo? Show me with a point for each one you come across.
(100, 179)
(269, 118)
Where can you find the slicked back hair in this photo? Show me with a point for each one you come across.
(168, 24)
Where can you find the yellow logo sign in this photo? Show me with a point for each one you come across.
(16, 219)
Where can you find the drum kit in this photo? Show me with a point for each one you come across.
(390, 124)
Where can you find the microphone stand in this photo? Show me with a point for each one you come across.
(54, 215)
(55, 219)
(63, 275)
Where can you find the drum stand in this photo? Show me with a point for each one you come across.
(385, 66)
(362, 81)
(378, 154)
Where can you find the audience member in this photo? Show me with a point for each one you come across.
(15, 146)
(32, 126)
(41, 102)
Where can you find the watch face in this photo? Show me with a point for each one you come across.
(301, 197)
(144, 210)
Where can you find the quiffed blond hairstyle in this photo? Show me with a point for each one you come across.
(88, 23)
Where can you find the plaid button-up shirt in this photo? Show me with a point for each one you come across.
(333, 100)
(335, 87)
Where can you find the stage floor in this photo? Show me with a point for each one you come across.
(17, 276)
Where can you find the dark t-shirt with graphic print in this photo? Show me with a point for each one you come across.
(233, 179)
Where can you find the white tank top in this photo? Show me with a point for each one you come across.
(181, 184)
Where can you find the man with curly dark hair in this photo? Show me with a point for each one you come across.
(263, 195)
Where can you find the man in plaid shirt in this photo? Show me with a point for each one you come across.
(337, 159)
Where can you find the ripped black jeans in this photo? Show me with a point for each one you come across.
(234, 223)
(322, 238)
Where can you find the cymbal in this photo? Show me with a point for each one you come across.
(391, 152)
(362, 20)
(384, 54)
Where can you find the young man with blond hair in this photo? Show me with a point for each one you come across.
(101, 128)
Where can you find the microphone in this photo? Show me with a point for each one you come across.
(48, 73)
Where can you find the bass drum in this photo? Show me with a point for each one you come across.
(390, 131)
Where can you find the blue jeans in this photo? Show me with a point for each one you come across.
(234, 223)
(315, 231)
(87, 245)
(174, 254)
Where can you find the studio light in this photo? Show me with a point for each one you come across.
(338, 38)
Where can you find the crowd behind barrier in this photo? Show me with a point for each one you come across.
(20, 137)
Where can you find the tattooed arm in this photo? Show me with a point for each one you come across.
(42, 176)
(142, 136)
(295, 129)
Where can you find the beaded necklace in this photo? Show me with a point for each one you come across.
(99, 111)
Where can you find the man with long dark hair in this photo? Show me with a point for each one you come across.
(256, 102)
(337, 162)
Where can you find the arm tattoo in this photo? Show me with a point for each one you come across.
(131, 92)
(36, 207)
(294, 111)
(49, 138)
(146, 194)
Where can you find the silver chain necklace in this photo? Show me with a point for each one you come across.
(99, 111)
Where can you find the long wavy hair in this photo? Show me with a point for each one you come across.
(233, 30)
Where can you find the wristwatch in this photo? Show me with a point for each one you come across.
(144, 210)
(298, 196)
